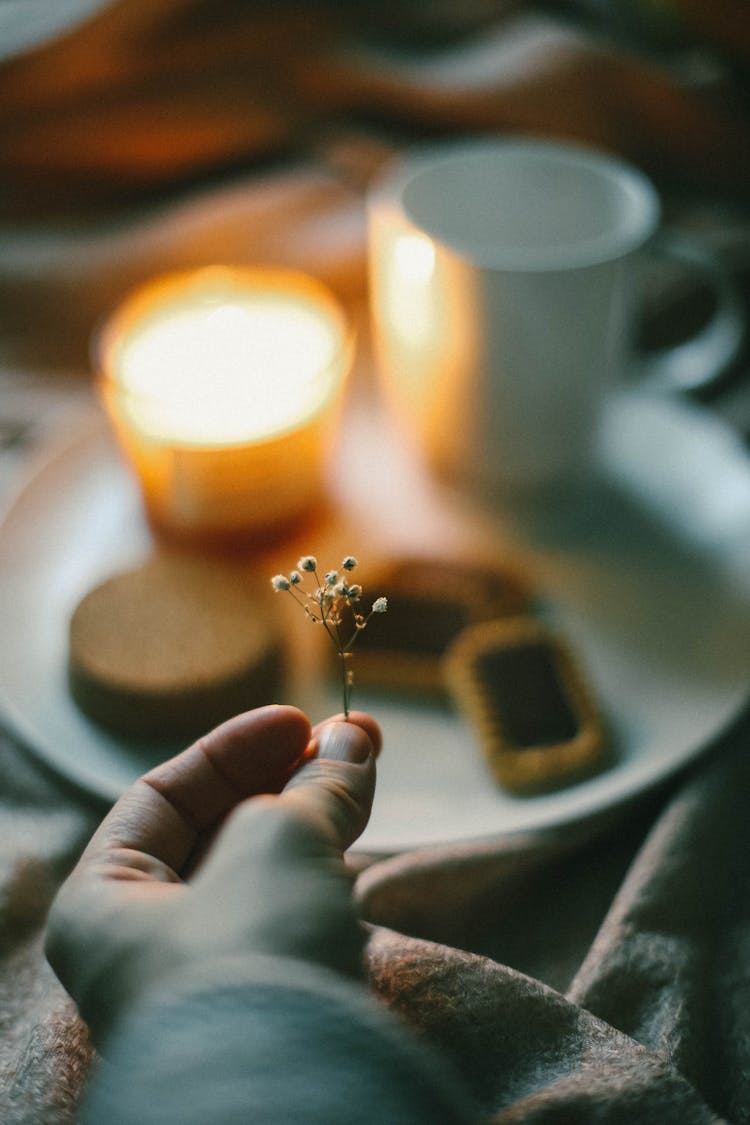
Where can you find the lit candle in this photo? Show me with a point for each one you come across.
(222, 386)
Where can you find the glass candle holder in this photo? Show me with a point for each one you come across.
(223, 385)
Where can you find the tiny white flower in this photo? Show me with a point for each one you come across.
(325, 605)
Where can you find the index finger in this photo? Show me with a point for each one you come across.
(164, 812)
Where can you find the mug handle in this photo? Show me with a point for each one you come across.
(695, 363)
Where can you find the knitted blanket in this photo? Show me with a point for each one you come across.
(596, 982)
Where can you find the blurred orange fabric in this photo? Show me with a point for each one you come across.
(141, 97)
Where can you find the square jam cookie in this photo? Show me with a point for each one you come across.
(525, 695)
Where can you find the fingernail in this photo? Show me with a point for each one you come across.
(344, 742)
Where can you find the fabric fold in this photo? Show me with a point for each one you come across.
(653, 1022)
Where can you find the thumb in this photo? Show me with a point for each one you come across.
(335, 788)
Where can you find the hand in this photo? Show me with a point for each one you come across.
(230, 849)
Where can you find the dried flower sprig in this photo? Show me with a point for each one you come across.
(327, 605)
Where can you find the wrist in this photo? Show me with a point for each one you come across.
(226, 972)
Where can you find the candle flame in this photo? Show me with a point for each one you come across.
(224, 368)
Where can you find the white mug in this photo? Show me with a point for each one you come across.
(503, 282)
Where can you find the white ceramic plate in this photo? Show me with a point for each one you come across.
(648, 576)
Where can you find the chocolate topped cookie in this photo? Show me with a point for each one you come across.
(430, 601)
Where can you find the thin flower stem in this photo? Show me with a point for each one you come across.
(325, 620)
(333, 633)
(357, 631)
(345, 682)
(326, 606)
(298, 600)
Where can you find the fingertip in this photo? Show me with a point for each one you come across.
(344, 742)
(275, 719)
(282, 713)
(370, 727)
(360, 719)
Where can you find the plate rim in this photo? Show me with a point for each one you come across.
(90, 435)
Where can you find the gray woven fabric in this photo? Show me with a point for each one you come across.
(649, 1019)
(549, 1009)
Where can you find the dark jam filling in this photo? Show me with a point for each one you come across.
(528, 695)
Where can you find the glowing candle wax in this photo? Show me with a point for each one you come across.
(222, 387)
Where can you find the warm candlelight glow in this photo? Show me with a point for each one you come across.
(414, 257)
(411, 294)
(221, 385)
(424, 333)
(219, 367)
